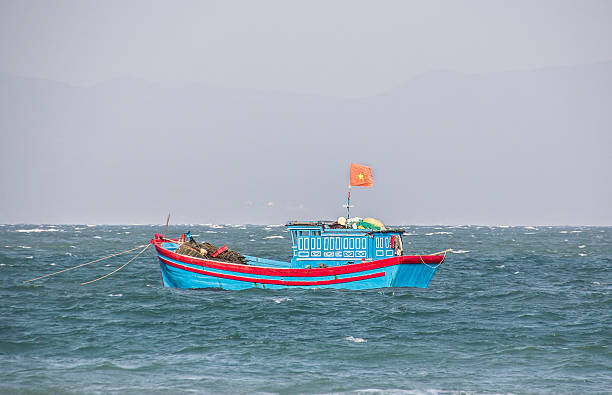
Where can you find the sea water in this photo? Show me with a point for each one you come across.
(513, 310)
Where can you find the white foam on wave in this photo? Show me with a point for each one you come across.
(275, 226)
(531, 227)
(29, 257)
(90, 226)
(113, 295)
(516, 272)
(216, 226)
(36, 230)
(355, 339)
(281, 300)
(52, 264)
(274, 237)
(460, 251)
(581, 246)
(97, 237)
(25, 247)
(251, 239)
(500, 266)
(529, 233)
(210, 231)
(581, 254)
(397, 391)
(576, 231)
(67, 253)
(563, 232)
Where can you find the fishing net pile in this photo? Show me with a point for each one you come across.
(206, 250)
(361, 223)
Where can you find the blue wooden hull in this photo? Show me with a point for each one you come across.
(181, 271)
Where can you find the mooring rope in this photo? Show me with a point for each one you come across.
(84, 264)
(436, 253)
(119, 268)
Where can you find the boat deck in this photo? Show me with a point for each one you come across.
(252, 260)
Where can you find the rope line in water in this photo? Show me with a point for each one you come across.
(119, 268)
(84, 264)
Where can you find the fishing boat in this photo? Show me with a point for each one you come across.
(324, 256)
(350, 253)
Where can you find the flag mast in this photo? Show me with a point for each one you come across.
(348, 203)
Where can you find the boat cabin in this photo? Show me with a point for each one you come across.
(325, 242)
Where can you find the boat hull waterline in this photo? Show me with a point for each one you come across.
(181, 271)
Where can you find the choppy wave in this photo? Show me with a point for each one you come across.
(36, 230)
(503, 306)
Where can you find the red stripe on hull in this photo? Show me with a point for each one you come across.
(271, 281)
(316, 272)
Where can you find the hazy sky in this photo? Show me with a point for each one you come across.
(338, 48)
(218, 101)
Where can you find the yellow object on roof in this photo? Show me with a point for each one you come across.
(375, 222)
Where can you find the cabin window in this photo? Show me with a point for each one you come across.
(316, 233)
(303, 233)
(293, 236)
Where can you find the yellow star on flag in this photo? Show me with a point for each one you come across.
(360, 176)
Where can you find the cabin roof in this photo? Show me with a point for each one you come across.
(328, 224)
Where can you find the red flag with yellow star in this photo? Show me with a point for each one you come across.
(361, 176)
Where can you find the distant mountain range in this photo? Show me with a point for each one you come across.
(529, 147)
